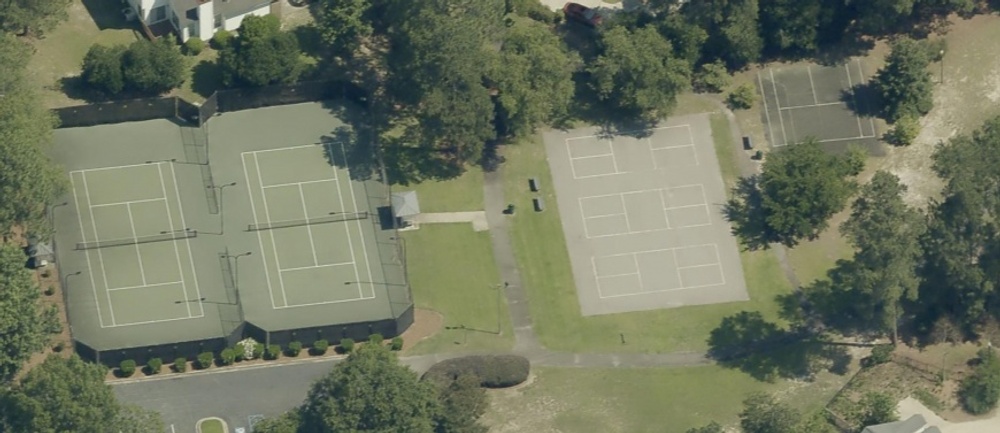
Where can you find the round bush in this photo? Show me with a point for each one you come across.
(294, 348)
(258, 350)
(319, 347)
(180, 364)
(205, 360)
(741, 98)
(50, 291)
(273, 352)
(126, 368)
(881, 354)
(154, 365)
(376, 339)
(228, 356)
(397, 343)
(221, 39)
(493, 371)
(194, 46)
(346, 345)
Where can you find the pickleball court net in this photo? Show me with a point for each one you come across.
(137, 240)
(337, 217)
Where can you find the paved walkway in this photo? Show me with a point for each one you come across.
(477, 218)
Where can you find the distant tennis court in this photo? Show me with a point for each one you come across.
(814, 101)
(136, 244)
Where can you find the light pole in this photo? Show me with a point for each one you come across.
(222, 215)
(498, 289)
(236, 268)
(65, 283)
(941, 53)
(51, 214)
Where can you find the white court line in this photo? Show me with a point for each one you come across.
(652, 154)
(652, 292)
(663, 205)
(109, 168)
(574, 158)
(86, 253)
(312, 304)
(147, 285)
(180, 208)
(129, 202)
(131, 224)
(100, 255)
(614, 161)
(847, 68)
(177, 250)
(279, 185)
(147, 322)
(604, 136)
(778, 104)
(677, 269)
(687, 206)
(767, 115)
(697, 266)
(354, 200)
(589, 176)
(638, 272)
(305, 215)
(812, 86)
(327, 265)
(864, 80)
(679, 146)
(260, 238)
(616, 275)
(280, 149)
(660, 250)
(846, 139)
(628, 225)
(825, 104)
(267, 214)
(607, 215)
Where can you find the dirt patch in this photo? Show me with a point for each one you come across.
(47, 280)
(426, 323)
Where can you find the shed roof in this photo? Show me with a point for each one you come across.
(405, 203)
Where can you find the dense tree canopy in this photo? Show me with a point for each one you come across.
(763, 414)
(904, 85)
(69, 395)
(261, 55)
(791, 26)
(732, 27)
(23, 327)
(342, 23)
(636, 73)
(153, 67)
(32, 16)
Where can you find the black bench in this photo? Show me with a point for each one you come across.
(538, 203)
(533, 184)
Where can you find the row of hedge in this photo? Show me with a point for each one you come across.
(493, 371)
(231, 355)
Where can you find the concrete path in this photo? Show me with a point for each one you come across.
(910, 406)
(557, 5)
(477, 218)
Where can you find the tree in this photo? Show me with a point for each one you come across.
(687, 38)
(874, 408)
(800, 188)
(980, 391)
(342, 23)
(23, 326)
(286, 423)
(462, 403)
(261, 55)
(711, 77)
(370, 392)
(102, 68)
(904, 84)
(635, 74)
(880, 17)
(25, 16)
(885, 233)
(732, 29)
(153, 67)
(534, 78)
(712, 427)
(741, 98)
(69, 395)
(763, 414)
(791, 26)
(28, 179)
(906, 129)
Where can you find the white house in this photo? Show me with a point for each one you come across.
(198, 18)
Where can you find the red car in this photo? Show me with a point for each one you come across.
(582, 14)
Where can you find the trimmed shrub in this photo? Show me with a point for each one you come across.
(227, 356)
(493, 371)
(59, 347)
(397, 343)
(904, 131)
(346, 345)
(881, 354)
(376, 339)
(742, 98)
(126, 368)
(205, 360)
(51, 290)
(294, 348)
(273, 352)
(154, 365)
(194, 46)
(319, 347)
(980, 391)
(258, 350)
(711, 77)
(221, 39)
(180, 364)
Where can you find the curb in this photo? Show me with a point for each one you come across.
(228, 369)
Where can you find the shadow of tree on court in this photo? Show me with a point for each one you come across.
(745, 213)
(762, 349)
(351, 146)
(862, 99)
(206, 78)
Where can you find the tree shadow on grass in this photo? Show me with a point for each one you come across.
(747, 217)
(108, 14)
(206, 78)
(767, 352)
(310, 41)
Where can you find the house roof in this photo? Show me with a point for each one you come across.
(405, 204)
(232, 8)
(913, 424)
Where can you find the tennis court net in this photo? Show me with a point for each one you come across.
(337, 217)
(137, 240)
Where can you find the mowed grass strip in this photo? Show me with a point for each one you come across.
(212, 426)
(544, 262)
(461, 194)
(452, 272)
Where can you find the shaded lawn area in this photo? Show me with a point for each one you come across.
(452, 272)
(60, 53)
(463, 193)
(211, 426)
(812, 259)
(542, 257)
(654, 400)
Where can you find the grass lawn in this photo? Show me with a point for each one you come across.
(541, 252)
(661, 400)
(464, 193)
(452, 272)
(212, 426)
